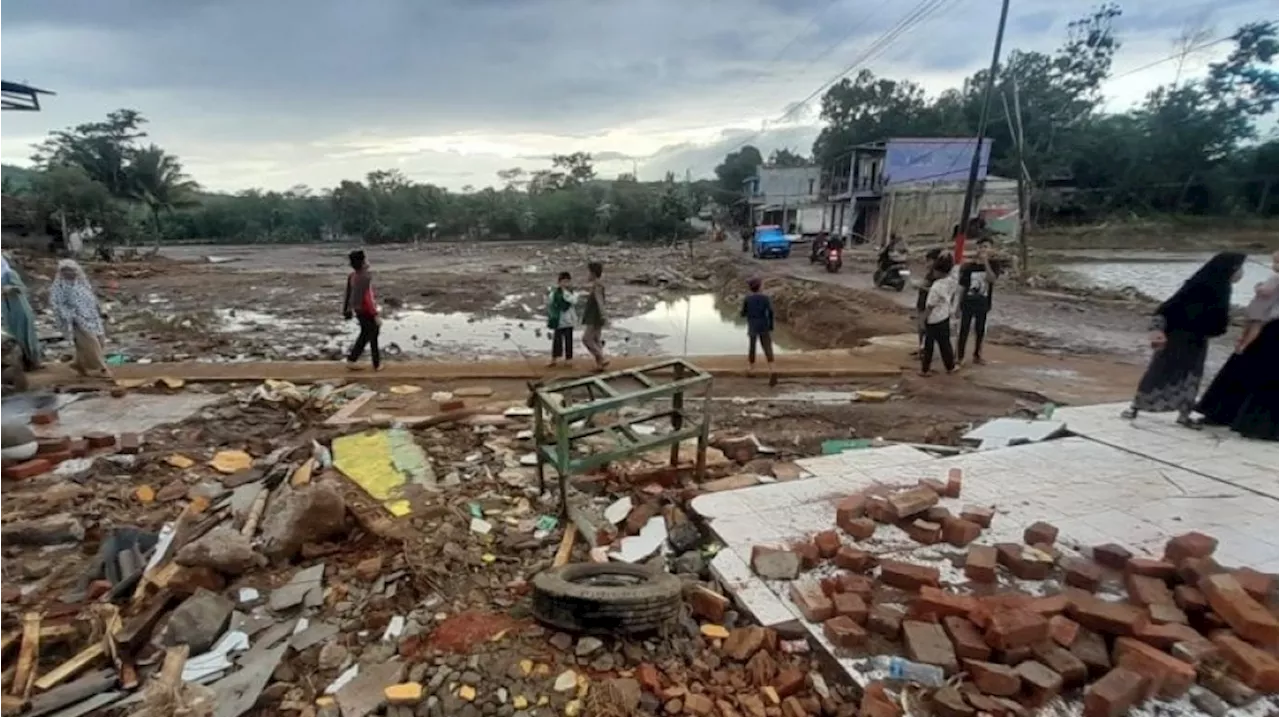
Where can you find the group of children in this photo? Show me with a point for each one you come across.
(562, 316)
(943, 296)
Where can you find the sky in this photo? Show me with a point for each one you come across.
(286, 92)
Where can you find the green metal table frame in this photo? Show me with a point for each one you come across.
(672, 378)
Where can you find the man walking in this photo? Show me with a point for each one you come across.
(361, 304)
(977, 282)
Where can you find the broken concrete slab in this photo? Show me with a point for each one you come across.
(198, 621)
(364, 694)
(224, 549)
(237, 693)
(314, 634)
(313, 513)
(296, 591)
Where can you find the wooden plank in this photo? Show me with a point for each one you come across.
(12, 705)
(9, 639)
(175, 658)
(27, 655)
(302, 476)
(566, 547)
(86, 657)
(345, 414)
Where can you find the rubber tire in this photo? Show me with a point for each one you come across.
(561, 602)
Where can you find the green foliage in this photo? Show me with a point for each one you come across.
(786, 158)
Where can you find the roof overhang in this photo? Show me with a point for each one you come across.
(17, 96)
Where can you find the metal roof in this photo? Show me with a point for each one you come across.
(17, 96)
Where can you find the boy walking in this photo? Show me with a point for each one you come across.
(757, 309)
(977, 283)
(939, 306)
(561, 319)
(593, 316)
(360, 303)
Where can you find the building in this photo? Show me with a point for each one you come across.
(790, 197)
(914, 187)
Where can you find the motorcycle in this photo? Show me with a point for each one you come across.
(892, 275)
(834, 260)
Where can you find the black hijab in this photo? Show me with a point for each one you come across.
(1202, 305)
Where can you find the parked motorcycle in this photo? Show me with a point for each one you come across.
(834, 260)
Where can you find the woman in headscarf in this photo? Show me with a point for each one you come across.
(19, 319)
(76, 309)
(1180, 331)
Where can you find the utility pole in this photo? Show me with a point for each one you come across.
(972, 187)
(1014, 118)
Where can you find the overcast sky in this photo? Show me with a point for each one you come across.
(273, 93)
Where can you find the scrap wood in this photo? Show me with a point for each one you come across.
(302, 476)
(255, 514)
(566, 547)
(27, 655)
(12, 705)
(86, 657)
(166, 695)
(182, 530)
(139, 627)
(8, 639)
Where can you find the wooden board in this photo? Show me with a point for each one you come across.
(27, 655)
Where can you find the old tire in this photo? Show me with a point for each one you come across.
(606, 598)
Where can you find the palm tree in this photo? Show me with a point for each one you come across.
(156, 179)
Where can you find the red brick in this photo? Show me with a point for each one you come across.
(1246, 616)
(876, 702)
(1015, 628)
(907, 503)
(960, 532)
(934, 485)
(923, 531)
(967, 639)
(1254, 667)
(1013, 656)
(1091, 648)
(1063, 630)
(980, 564)
(1192, 570)
(859, 585)
(1151, 568)
(927, 643)
(907, 576)
(815, 606)
(27, 469)
(1072, 669)
(1040, 532)
(859, 561)
(859, 528)
(979, 514)
(885, 619)
(1114, 694)
(1024, 562)
(1190, 599)
(1144, 590)
(788, 682)
(743, 642)
(994, 679)
(1189, 545)
(1040, 683)
(808, 553)
(1111, 618)
(99, 440)
(1112, 556)
(79, 448)
(878, 509)
(56, 444)
(1170, 677)
(649, 678)
(955, 479)
(130, 443)
(1196, 652)
(1259, 585)
(707, 603)
(58, 457)
(1048, 605)
(938, 602)
(855, 506)
(1161, 613)
(827, 542)
(1082, 573)
(851, 606)
(842, 631)
(44, 417)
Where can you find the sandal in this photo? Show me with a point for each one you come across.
(1129, 414)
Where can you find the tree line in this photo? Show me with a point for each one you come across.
(1189, 147)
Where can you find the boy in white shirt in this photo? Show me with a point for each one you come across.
(939, 308)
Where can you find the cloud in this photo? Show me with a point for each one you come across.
(450, 91)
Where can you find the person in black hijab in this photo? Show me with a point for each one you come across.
(1181, 328)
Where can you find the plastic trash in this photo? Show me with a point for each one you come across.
(903, 670)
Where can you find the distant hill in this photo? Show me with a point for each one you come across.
(16, 178)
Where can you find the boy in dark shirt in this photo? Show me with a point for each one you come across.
(359, 303)
(977, 283)
(757, 309)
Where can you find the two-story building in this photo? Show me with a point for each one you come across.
(790, 197)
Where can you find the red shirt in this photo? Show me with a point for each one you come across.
(360, 294)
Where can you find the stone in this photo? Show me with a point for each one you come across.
(1169, 677)
(980, 564)
(788, 682)
(762, 668)
(1112, 556)
(926, 642)
(1249, 619)
(743, 642)
(405, 693)
(1208, 703)
(885, 619)
(774, 563)
(842, 631)
(223, 549)
(993, 679)
(859, 561)
(332, 656)
(907, 576)
(1114, 694)
(198, 621)
(587, 645)
(561, 641)
(312, 513)
(369, 569)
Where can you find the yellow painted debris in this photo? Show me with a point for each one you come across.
(229, 462)
(402, 390)
(573, 708)
(488, 558)
(365, 458)
(467, 693)
(171, 382)
(519, 702)
(715, 632)
(145, 494)
(543, 700)
(325, 701)
(526, 667)
(405, 693)
(302, 476)
(177, 460)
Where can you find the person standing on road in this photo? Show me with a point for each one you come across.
(593, 316)
(76, 310)
(977, 283)
(19, 319)
(922, 296)
(561, 318)
(1180, 331)
(361, 304)
(747, 233)
(939, 306)
(757, 309)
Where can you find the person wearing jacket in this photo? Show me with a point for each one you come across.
(361, 305)
(561, 318)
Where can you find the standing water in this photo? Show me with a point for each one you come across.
(1159, 279)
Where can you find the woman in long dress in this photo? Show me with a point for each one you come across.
(1244, 393)
(1180, 331)
(76, 309)
(19, 319)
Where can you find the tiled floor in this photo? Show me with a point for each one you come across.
(1136, 484)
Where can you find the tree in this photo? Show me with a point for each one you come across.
(156, 179)
(102, 149)
(577, 168)
(786, 158)
(737, 167)
(866, 109)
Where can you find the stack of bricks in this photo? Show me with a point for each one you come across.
(1185, 619)
(54, 450)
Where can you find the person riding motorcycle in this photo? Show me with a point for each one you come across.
(894, 252)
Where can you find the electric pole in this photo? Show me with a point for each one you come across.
(1014, 118)
(972, 187)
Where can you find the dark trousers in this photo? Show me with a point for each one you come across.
(562, 343)
(974, 314)
(765, 339)
(368, 336)
(939, 335)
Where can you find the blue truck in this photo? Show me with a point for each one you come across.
(770, 241)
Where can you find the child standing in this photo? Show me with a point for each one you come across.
(561, 318)
(939, 306)
(593, 315)
(757, 309)
(360, 304)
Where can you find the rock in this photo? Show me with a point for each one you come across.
(690, 562)
(50, 530)
(684, 536)
(620, 692)
(604, 663)
(311, 514)
(332, 655)
(224, 549)
(562, 641)
(587, 645)
(566, 681)
(198, 621)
